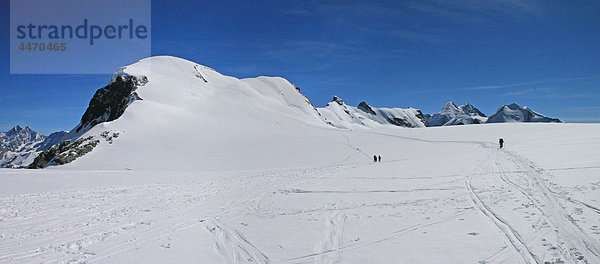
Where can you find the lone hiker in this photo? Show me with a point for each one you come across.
(501, 142)
(379, 158)
(374, 158)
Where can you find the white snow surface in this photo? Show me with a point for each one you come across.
(440, 195)
(214, 169)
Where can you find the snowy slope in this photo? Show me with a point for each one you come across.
(516, 113)
(339, 114)
(451, 115)
(440, 195)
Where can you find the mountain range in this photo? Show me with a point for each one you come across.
(181, 105)
(19, 146)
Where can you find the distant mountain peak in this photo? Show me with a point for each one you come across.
(456, 115)
(18, 145)
(16, 129)
(471, 110)
(515, 113)
(450, 106)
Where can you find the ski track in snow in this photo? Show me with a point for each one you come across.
(233, 247)
(332, 241)
(573, 244)
(544, 200)
(512, 236)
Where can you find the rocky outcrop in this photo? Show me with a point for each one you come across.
(110, 102)
(65, 152)
(338, 100)
(366, 108)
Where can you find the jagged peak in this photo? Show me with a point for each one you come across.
(450, 106)
(338, 100)
(514, 106)
(18, 129)
(467, 106)
(470, 109)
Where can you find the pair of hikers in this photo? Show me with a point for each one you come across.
(376, 158)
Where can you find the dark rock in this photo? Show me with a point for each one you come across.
(366, 108)
(64, 152)
(338, 100)
(110, 102)
(400, 122)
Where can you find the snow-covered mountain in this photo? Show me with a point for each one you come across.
(164, 112)
(18, 146)
(451, 115)
(186, 107)
(166, 109)
(516, 113)
(339, 114)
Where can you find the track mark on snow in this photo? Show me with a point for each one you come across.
(508, 231)
(233, 247)
(543, 198)
(300, 191)
(328, 250)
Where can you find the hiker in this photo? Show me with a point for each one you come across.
(379, 158)
(501, 142)
(374, 158)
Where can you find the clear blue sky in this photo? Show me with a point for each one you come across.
(542, 54)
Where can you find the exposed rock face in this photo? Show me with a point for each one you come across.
(110, 102)
(52, 140)
(65, 152)
(338, 100)
(400, 122)
(516, 113)
(366, 108)
(420, 116)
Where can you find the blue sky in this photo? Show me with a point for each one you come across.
(542, 54)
